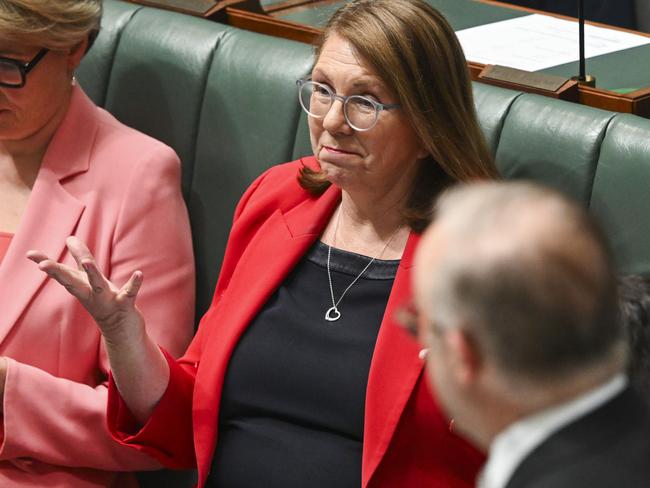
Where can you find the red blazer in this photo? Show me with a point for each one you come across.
(407, 441)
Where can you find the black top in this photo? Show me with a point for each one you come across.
(292, 406)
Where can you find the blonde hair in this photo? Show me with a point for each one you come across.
(54, 24)
(415, 52)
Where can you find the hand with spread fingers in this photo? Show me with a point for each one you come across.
(112, 308)
(131, 352)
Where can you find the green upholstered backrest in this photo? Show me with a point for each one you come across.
(600, 158)
(492, 107)
(225, 100)
(158, 79)
(95, 70)
(621, 191)
(248, 122)
(552, 142)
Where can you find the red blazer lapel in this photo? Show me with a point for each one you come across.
(265, 262)
(394, 371)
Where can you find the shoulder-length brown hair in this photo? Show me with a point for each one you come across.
(415, 52)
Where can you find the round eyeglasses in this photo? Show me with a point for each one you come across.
(13, 73)
(361, 113)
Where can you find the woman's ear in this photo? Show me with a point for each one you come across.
(75, 54)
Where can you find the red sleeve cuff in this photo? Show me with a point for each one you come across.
(167, 435)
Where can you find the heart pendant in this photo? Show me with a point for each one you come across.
(332, 314)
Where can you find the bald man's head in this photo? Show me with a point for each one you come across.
(526, 272)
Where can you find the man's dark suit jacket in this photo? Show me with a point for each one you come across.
(607, 448)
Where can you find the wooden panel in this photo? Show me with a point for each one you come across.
(268, 25)
(284, 4)
(200, 8)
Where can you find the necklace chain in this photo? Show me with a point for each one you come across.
(333, 313)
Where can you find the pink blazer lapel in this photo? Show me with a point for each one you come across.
(51, 214)
(274, 251)
(394, 371)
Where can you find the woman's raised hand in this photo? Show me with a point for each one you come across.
(112, 308)
(139, 368)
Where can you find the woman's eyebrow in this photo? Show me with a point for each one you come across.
(368, 83)
(364, 82)
(323, 78)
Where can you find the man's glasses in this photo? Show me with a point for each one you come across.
(407, 316)
(361, 113)
(13, 73)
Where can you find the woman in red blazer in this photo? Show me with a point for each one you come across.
(299, 374)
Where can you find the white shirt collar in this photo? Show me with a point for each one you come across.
(519, 439)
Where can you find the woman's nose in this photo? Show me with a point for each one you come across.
(334, 120)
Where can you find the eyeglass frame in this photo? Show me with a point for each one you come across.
(23, 68)
(408, 317)
(379, 107)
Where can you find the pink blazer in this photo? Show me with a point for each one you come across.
(119, 191)
(407, 442)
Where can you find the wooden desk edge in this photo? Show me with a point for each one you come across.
(265, 24)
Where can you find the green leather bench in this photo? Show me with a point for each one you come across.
(225, 100)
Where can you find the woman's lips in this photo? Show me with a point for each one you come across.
(335, 150)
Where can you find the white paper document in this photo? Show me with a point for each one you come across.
(536, 42)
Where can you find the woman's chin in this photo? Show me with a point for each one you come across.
(335, 175)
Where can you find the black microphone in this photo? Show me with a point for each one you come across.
(583, 78)
(581, 39)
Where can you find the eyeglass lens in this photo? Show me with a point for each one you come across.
(317, 100)
(10, 74)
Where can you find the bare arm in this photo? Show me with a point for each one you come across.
(139, 368)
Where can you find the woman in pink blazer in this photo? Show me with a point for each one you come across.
(299, 375)
(69, 168)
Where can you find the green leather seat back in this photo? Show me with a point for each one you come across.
(492, 107)
(302, 144)
(552, 142)
(621, 191)
(94, 72)
(158, 78)
(249, 118)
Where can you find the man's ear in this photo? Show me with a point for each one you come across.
(464, 356)
(76, 53)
